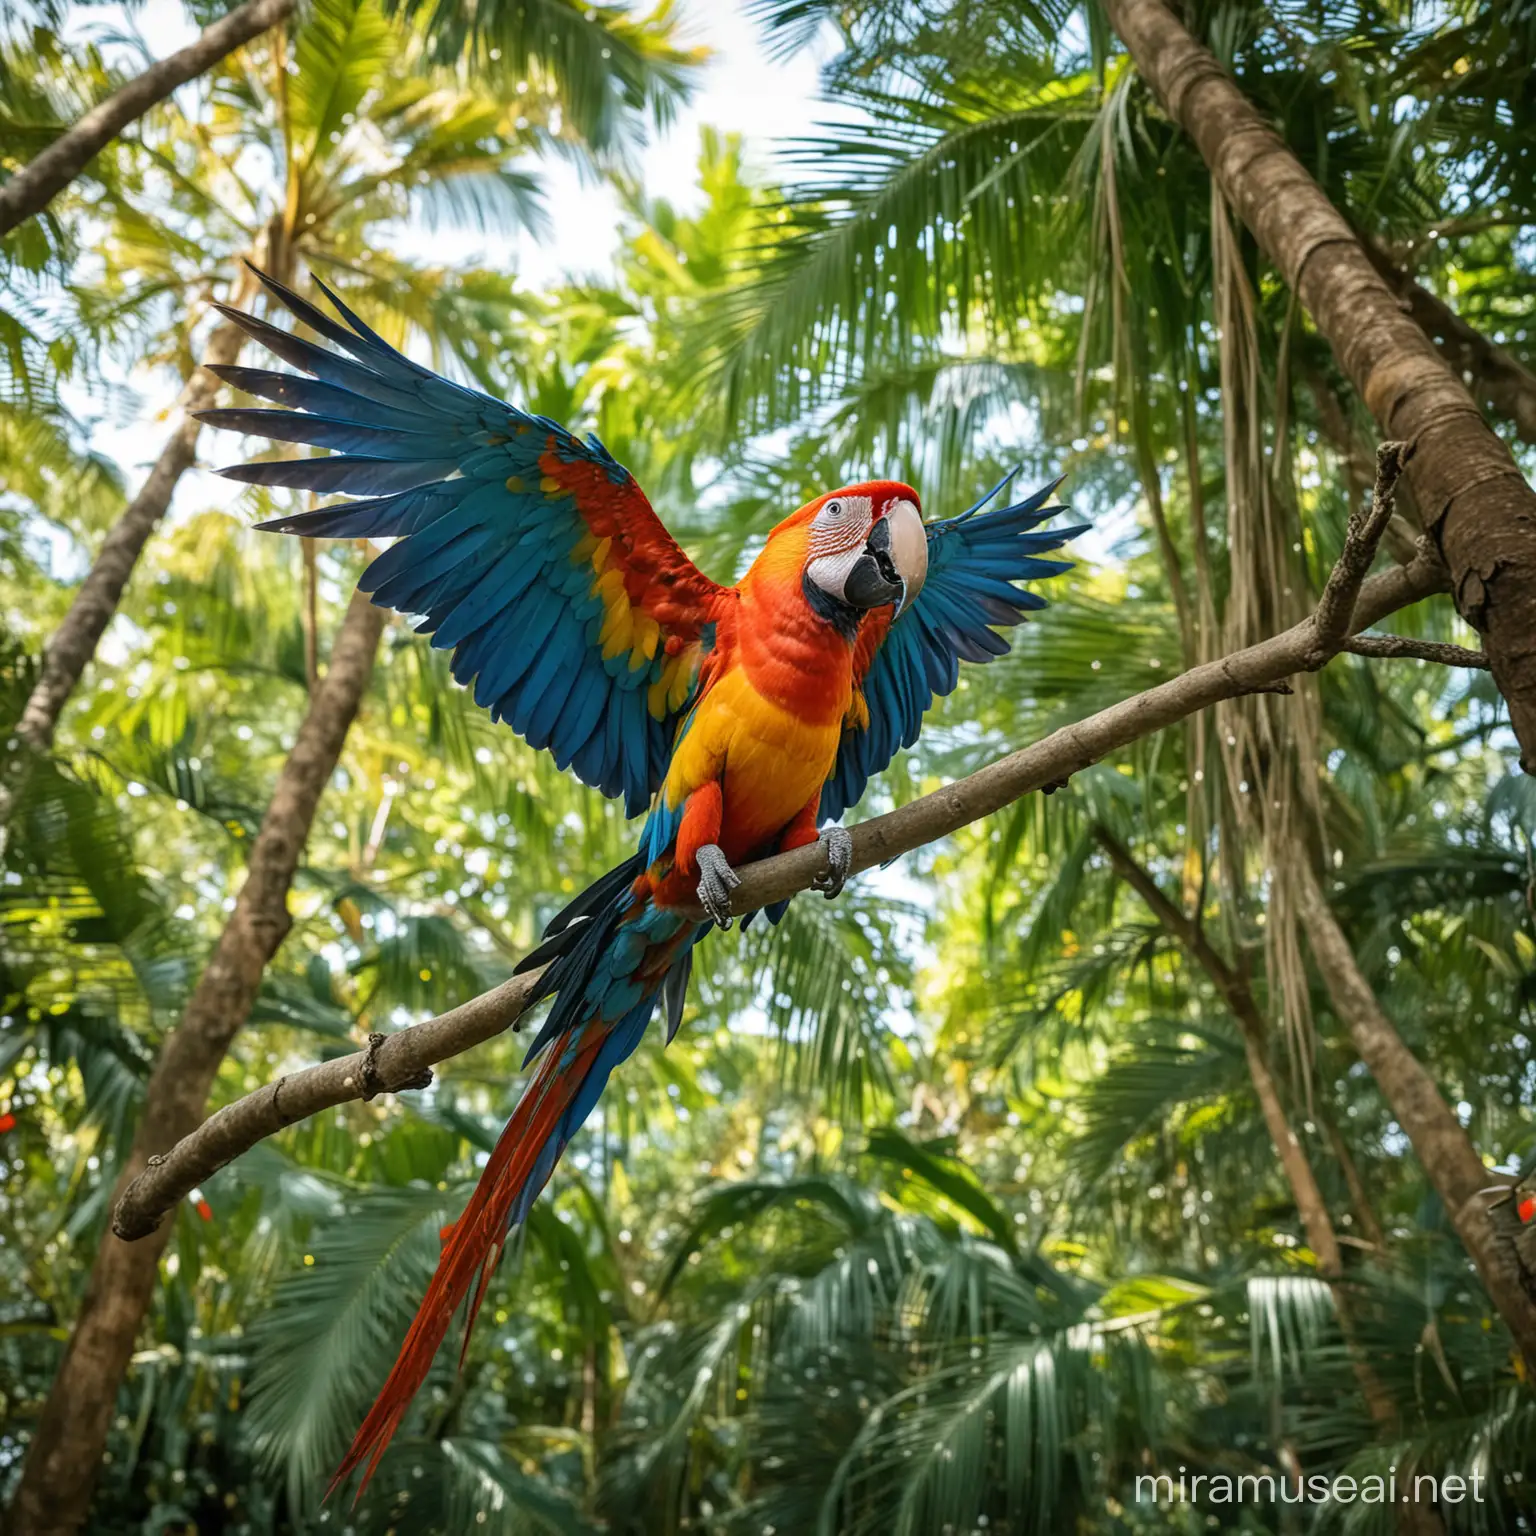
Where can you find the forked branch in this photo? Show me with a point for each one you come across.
(1336, 607)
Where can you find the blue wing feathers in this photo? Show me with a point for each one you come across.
(358, 473)
(974, 563)
(494, 654)
(587, 759)
(324, 365)
(549, 686)
(583, 707)
(634, 741)
(327, 432)
(479, 599)
(543, 607)
(314, 395)
(484, 552)
(361, 343)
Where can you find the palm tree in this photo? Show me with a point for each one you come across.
(31, 187)
(322, 124)
(321, 111)
(984, 1205)
(608, 64)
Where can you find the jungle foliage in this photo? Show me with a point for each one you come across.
(952, 1207)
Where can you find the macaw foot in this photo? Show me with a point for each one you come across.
(839, 846)
(716, 882)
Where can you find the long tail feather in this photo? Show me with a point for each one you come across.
(610, 969)
(474, 1242)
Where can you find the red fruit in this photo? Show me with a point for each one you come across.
(7, 1123)
(204, 1210)
(1527, 1207)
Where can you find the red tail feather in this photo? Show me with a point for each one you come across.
(470, 1248)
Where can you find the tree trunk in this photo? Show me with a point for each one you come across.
(36, 183)
(1316, 1220)
(1238, 996)
(55, 1491)
(1475, 504)
(1501, 380)
(1444, 1149)
(1359, 1196)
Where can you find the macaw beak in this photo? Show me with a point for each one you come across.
(909, 552)
(894, 563)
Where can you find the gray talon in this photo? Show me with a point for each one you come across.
(839, 846)
(716, 882)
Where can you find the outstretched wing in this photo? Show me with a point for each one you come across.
(974, 561)
(533, 556)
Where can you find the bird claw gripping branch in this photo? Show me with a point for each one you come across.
(839, 846)
(716, 882)
(743, 718)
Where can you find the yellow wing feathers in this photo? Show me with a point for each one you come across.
(624, 628)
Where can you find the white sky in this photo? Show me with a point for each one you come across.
(742, 91)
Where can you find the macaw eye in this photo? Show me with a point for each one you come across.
(833, 509)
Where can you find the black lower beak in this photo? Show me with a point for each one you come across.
(874, 580)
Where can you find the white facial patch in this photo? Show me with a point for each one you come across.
(831, 572)
(843, 524)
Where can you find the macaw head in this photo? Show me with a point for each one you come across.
(864, 545)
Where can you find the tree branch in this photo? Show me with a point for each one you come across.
(1421, 650)
(405, 1055)
(1336, 607)
(1182, 926)
(1445, 1151)
(1390, 645)
(1468, 488)
(1311, 1206)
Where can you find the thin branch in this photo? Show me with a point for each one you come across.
(1336, 607)
(1421, 650)
(1444, 1149)
(1182, 926)
(403, 1057)
(1316, 1219)
(390, 1064)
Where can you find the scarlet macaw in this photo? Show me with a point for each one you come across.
(745, 717)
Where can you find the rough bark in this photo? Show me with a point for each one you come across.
(1469, 491)
(31, 188)
(1504, 385)
(1387, 646)
(400, 1060)
(55, 1491)
(1442, 1145)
